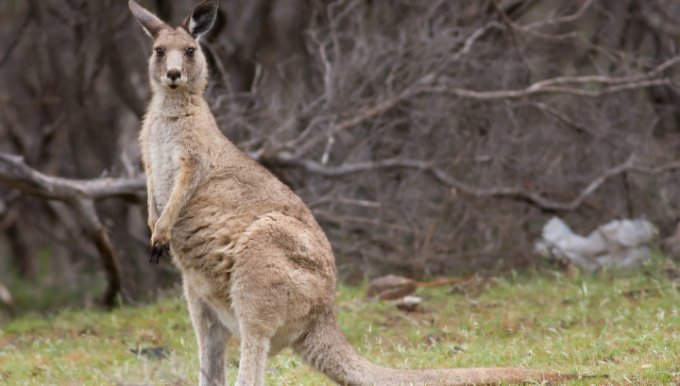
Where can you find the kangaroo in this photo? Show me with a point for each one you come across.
(255, 264)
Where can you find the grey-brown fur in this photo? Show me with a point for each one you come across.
(254, 261)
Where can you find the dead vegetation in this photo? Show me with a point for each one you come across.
(428, 137)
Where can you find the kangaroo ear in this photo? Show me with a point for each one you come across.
(151, 23)
(201, 19)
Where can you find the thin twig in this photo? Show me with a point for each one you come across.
(561, 20)
(21, 31)
(558, 115)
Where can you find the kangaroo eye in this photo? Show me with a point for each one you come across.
(190, 52)
(160, 52)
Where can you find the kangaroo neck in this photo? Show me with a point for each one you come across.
(176, 104)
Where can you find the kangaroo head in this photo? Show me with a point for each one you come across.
(177, 62)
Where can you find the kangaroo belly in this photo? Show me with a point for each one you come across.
(217, 301)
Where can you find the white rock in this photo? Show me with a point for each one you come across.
(619, 243)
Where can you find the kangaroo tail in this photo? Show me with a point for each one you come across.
(326, 348)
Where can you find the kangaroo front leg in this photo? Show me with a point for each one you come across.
(156, 253)
(151, 205)
(211, 336)
(254, 352)
(189, 175)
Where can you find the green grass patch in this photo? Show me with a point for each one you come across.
(626, 325)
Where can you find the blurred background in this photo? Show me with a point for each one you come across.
(428, 137)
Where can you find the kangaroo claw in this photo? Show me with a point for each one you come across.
(158, 251)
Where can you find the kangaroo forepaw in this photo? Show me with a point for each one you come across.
(158, 251)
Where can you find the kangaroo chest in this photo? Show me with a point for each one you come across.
(163, 151)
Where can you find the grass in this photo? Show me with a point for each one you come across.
(626, 325)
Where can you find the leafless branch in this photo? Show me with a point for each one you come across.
(397, 82)
(15, 172)
(430, 85)
(532, 30)
(550, 86)
(472, 39)
(80, 196)
(17, 38)
(553, 112)
(655, 16)
(534, 198)
(561, 20)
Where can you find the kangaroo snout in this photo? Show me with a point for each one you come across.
(173, 78)
(174, 74)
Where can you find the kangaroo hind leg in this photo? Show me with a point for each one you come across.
(212, 337)
(254, 353)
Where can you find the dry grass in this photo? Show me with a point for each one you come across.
(623, 325)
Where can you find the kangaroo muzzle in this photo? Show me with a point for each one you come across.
(174, 76)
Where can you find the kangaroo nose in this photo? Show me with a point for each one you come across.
(174, 74)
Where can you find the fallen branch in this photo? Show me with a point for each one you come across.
(15, 172)
(393, 287)
(80, 196)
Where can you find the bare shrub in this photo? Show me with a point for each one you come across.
(428, 137)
